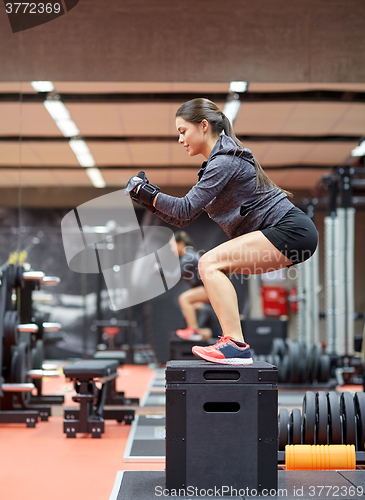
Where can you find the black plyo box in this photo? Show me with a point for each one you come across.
(221, 426)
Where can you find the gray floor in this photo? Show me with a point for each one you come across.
(292, 485)
(146, 441)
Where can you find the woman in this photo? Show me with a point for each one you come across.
(266, 231)
(196, 296)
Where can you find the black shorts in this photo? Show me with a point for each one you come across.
(295, 235)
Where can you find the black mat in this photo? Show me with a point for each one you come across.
(292, 485)
(146, 441)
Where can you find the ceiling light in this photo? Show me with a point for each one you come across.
(238, 86)
(231, 109)
(359, 150)
(43, 86)
(82, 152)
(96, 178)
(57, 109)
(62, 117)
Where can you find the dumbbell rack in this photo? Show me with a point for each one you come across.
(38, 337)
(326, 418)
(17, 376)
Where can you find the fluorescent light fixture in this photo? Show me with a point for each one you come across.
(82, 152)
(79, 146)
(57, 109)
(231, 109)
(61, 117)
(359, 150)
(238, 86)
(43, 86)
(96, 178)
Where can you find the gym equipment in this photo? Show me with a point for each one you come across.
(181, 349)
(114, 397)
(217, 411)
(298, 363)
(16, 341)
(39, 333)
(90, 416)
(315, 457)
(259, 333)
(327, 418)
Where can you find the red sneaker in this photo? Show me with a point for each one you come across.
(225, 351)
(188, 334)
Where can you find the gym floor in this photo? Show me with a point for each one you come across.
(41, 463)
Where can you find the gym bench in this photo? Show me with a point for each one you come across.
(90, 416)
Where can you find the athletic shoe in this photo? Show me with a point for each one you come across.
(189, 334)
(225, 351)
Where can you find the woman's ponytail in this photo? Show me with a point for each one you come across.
(197, 110)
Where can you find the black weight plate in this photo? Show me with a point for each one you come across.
(321, 418)
(37, 362)
(305, 367)
(334, 418)
(283, 421)
(278, 347)
(295, 427)
(324, 371)
(38, 355)
(20, 369)
(283, 370)
(269, 359)
(313, 362)
(347, 411)
(302, 365)
(294, 358)
(276, 360)
(309, 417)
(359, 401)
(11, 322)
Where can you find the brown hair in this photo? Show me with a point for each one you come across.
(183, 236)
(197, 110)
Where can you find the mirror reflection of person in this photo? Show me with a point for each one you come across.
(193, 299)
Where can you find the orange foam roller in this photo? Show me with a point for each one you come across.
(320, 457)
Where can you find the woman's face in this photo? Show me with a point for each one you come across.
(191, 136)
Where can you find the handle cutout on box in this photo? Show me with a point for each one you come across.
(222, 375)
(222, 407)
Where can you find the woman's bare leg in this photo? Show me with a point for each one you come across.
(251, 253)
(187, 302)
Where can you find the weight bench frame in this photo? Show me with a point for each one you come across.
(90, 416)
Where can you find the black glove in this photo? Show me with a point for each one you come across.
(145, 194)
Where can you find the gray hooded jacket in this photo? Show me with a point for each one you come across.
(226, 190)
